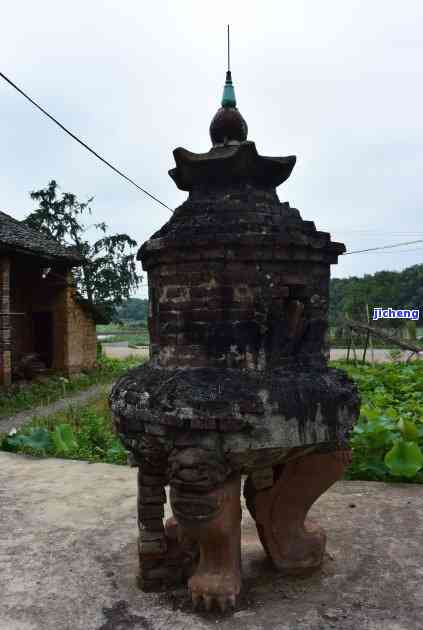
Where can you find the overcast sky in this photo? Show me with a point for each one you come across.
(337, 83)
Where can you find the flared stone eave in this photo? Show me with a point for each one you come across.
(232, 162)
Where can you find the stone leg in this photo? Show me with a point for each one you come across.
(165, 558)
(294, 544)
(206, 505)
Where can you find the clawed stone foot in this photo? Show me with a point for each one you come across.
(215, 590)
(216, 527)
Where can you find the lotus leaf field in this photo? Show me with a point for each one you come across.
(387, 440)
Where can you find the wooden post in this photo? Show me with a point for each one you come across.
(365, 346)
(353, 346)
(370, 337)
(349, 343)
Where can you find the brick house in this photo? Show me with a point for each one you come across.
(40, 311)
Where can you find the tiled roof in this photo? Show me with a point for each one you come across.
(16, 235)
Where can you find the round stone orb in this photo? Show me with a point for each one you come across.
(228, 126)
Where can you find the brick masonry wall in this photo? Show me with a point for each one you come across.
(81, 336)
(251, 289)
(31, 294)
(73, 331)
(237, 314)
(5, 355)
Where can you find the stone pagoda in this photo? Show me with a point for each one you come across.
(237, 383)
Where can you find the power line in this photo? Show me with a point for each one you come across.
(372, 233)
(131, 181)
(399, 251)
(373, 249)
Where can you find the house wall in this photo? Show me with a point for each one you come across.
(73, 331)
(82, 337)
(31, 294)
(5, 352)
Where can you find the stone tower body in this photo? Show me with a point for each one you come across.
(237, 382)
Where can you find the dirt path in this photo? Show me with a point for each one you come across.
(9, 422)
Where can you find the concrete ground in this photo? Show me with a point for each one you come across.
(379, 355)
(68, 558)
(121, 350)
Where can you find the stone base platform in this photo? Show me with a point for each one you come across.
(68, 558)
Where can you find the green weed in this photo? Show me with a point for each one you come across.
(84, 432)
(44, 391)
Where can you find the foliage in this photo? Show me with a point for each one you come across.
(134, 309)
(44, 391)
(77, 433)
(108, 273)
(387, 440)
(384, 289)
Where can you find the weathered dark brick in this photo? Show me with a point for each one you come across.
(152, 480)
(154, 524)
(152, 511)
(204, 423)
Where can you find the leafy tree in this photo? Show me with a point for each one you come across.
(134, 309)
(396, 289)
(383, 289)
(108, 273)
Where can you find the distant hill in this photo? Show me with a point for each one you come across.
(133, 310)
(398, 289)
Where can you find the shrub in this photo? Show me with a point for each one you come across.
(77, 433)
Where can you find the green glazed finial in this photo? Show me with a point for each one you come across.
(228, 98)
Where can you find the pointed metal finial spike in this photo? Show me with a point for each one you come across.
(229, 51)
(228, 98)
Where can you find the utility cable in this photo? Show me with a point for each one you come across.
(373, 249)
(131, 181)
(72, 135)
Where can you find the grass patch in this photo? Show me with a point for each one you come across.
(20, 397)
(109, 329)
(79, 432)
(135, 334)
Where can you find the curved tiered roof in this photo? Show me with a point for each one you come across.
(16, 236)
